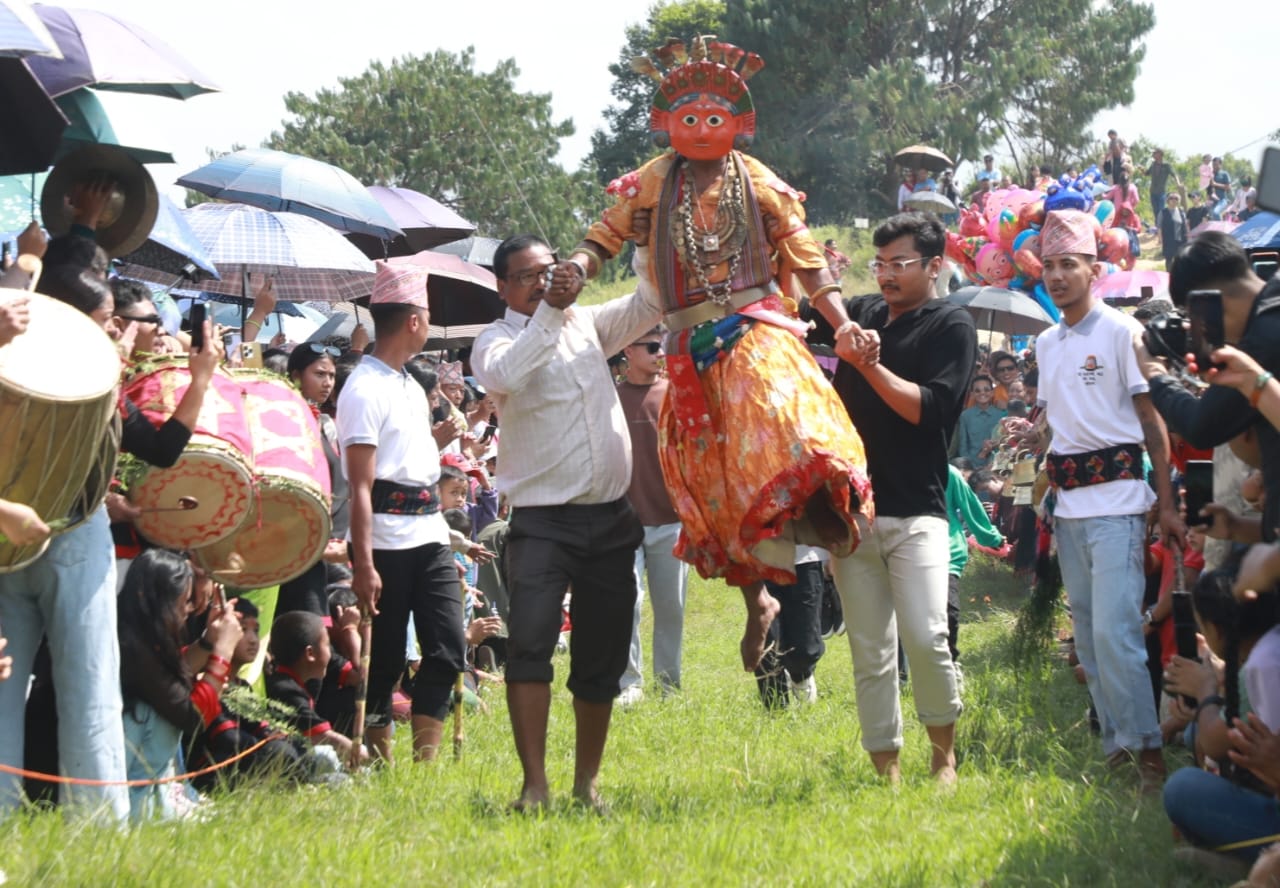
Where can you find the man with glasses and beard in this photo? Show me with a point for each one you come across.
(905, 401)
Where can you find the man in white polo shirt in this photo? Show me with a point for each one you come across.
(1100, 413)
(400, 545)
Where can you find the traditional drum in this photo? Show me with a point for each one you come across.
(216, 468)
(288, 526)
(58, 396)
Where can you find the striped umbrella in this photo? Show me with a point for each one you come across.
(310, 260)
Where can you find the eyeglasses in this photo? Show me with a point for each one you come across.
(651, 347)
(320, 348)
(897, 266)
(530, 276)
(142, 319)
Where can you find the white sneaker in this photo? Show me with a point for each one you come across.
(630, 696)
(805, 691)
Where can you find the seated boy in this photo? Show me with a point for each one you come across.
(300, 652)
(231, 732)
(336, 701)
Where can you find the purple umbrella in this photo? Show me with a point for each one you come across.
(108, 52)
(27, 143)
(425, 221)
(22, 33)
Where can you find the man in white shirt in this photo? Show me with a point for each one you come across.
(400, 545)
(1100, 413)
(565, 467)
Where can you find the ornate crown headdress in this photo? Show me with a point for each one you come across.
(711, 68)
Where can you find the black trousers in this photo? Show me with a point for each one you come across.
(591, 550)
(794, 642)
(422, 581)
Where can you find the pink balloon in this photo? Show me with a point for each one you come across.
(1115, 248)
(995, 266)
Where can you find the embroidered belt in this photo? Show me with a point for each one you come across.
(1120, 463)
(390, 498)
(684, 318)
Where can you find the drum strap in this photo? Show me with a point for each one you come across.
(390, 498)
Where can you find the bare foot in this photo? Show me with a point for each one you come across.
(762, 610)
(531, 801)
(827, 523)
(886, 765)
(945, 775)
(590, 799)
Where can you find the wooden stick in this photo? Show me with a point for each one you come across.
(362, 690)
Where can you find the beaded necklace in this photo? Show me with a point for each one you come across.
(702, 249)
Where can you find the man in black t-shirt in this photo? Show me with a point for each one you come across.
(905, 401)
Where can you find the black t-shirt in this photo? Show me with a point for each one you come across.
(935, 347)
(1222, 413)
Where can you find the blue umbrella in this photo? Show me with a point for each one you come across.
(171, 248)
(22, 33)
(1262, 232)
(283, 182)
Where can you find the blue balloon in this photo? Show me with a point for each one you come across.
(1041, 296)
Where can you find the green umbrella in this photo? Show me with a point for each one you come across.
(89, 124)
(19, 201)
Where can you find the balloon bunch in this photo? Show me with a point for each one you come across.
(999, 243)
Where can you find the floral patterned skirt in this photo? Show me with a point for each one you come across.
(777, 435)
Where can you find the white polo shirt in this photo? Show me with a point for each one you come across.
(388, 409)
(1088, 377)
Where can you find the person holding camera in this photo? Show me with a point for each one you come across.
(1222, 413)
(1100, 414)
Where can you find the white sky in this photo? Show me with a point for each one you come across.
(1192, 100)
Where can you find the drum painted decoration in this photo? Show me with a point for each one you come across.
(216, 468)
(58, 412)
(288, 527)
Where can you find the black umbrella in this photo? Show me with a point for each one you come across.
(1001, 310)
(31, 135)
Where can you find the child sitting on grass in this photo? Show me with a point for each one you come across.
(232, 732)
(300, 654)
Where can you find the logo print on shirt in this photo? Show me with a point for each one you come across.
(1091, 370)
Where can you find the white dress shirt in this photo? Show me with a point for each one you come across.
(564, 435)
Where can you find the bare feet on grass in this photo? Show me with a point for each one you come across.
(886, 765)
(762, 610)
(531, 801)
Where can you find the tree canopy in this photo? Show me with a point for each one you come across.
(848, 82)
(467, 138)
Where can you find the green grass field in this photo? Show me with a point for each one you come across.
(706, 789)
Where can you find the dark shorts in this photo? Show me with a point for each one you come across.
(589, 550)
(422, 581)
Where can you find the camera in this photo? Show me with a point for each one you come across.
(1165, 336)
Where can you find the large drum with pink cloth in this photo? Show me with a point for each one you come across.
(215, 470)
(288, 525)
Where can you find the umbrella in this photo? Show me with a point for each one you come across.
(103, 50)
(1214, 225)
(1126, 287)
(296, 321)
(438, 337)
(426, 223)
(283, 182)
(22, 33)
(476, 250)
(89, 125)
(172, 248)
(930, 202)
(1262, 232)
(918, 156)
(458, 292)
(19, 201)
(33, 130)
(308, 258)
(1002, 310)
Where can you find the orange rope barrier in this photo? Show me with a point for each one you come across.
(81, 781)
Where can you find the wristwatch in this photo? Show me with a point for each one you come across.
(1147, 619)
(1259, 385)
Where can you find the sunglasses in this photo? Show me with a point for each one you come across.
(142, 319)
(320, 348)
(651, 347)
